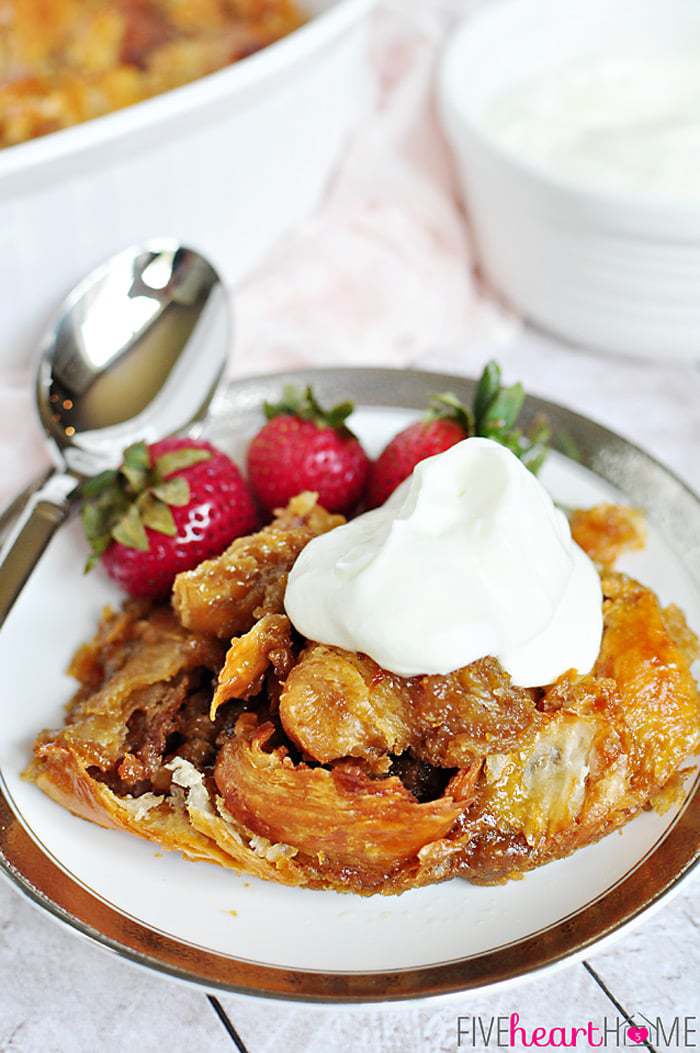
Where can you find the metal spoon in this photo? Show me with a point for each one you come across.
(136, 352)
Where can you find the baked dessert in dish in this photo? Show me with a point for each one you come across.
(65, 61)
(208, 724)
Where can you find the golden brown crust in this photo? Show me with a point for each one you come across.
(139, 651)
(225, 596)
(268, 645)
(62, 773)
(398, 782)
(346, 826)
(681, 634)
(338, 704)
(605, 532)
(568, 788)
(608, 744)
(659, 696)
(148, 652)
(469, 714)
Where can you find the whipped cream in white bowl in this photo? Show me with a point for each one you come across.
(469, 557)
(576, 129)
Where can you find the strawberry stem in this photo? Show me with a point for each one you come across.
(118, 504)
(447, 406)
(302, 403)
(496, 411)
(494, 415)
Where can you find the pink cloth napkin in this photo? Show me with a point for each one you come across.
(381, 274)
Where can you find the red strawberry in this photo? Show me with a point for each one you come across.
(167, 508)
(303, 447)
(446, 423)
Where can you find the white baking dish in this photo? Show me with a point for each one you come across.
(613, 271)
(225, 164)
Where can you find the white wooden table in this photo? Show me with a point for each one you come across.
(59, 994)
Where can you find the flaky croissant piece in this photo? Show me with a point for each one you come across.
(320, 769)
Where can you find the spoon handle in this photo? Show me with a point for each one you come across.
(12, 511)
(46, 509)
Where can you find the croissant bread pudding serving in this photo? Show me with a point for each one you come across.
(456, 683)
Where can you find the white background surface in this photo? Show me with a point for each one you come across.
(59, 993)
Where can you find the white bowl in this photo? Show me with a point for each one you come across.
(224, 164)
(612, 271)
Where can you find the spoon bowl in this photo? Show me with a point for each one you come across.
(136, 352)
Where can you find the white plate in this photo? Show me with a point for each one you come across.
(205, 923)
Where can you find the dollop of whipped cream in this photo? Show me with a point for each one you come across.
(469, 557)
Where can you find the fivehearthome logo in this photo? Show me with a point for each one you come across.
(510, 1032)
